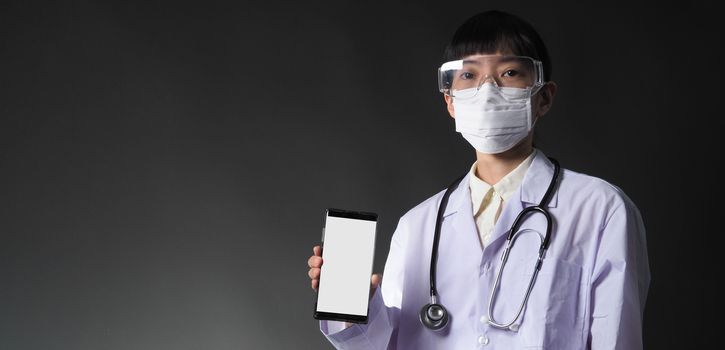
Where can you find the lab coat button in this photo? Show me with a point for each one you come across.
(484, 319)
(483, 340)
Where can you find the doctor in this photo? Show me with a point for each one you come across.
(589, 289)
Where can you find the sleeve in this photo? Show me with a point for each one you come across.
(620, 280)
(384, 309)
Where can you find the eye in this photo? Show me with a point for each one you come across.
(511, 73)
(467, 75)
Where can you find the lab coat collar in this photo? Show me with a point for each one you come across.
(530, 192)
(537, 181)
(460, 199)
(532, 188)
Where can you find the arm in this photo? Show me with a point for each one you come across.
(620, 281)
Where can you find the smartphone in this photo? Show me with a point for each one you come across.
(348, 249)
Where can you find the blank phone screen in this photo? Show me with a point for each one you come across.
(347, 263)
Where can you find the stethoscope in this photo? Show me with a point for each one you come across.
(434, 315)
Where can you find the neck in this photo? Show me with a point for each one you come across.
(491, 168)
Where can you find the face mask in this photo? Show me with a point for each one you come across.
(495, 119)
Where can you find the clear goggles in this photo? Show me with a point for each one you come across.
(464, 78)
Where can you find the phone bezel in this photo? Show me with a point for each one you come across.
(349, 214)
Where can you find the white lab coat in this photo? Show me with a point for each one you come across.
(590, 292)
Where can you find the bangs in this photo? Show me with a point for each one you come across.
(504, 44)
(493, 31)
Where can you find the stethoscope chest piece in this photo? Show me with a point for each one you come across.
(434, 316)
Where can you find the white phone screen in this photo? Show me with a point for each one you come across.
(347, 255)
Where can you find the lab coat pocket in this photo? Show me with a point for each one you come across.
(553, 315)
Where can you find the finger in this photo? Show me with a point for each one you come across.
(314, 261)
(315, 284)
(317, 250)
(314, 273)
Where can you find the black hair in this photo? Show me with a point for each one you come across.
(491, 31)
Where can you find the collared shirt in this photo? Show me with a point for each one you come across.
(487, 201)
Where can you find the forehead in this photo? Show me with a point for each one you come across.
(498, 52)
(478, 60)
(478, 56)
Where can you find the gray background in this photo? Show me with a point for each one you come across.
(164, 167)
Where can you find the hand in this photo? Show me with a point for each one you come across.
(315, 263)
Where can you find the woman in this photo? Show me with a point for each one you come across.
(581, 286)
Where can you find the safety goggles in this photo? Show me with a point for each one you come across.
(464, 78)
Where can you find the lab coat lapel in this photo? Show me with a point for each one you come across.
(531, 191)
(537, 181)
(460, 211)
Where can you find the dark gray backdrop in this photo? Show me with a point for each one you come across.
(165, 166)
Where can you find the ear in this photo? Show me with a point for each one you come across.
(545, 99)
(449, 105)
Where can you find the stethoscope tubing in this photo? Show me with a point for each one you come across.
(510, 239)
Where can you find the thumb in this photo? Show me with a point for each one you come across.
(376, 279)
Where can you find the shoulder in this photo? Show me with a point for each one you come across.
(417, 217)
(589, 185)
(425, 208)
(594, 193)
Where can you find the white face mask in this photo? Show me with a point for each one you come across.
(495, 119)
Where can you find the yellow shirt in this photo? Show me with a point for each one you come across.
(487, 201)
